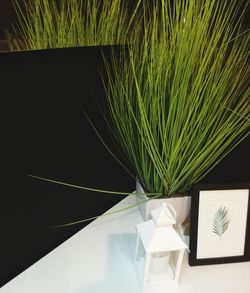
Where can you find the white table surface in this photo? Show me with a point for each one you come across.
(99, 259)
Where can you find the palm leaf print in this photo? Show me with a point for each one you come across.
(221, 221)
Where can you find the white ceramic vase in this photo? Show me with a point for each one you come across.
(181, 204)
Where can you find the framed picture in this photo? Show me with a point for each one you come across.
(220, 228)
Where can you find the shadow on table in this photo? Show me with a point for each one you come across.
(120, 274)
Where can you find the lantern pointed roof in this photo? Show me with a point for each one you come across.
(158, 235)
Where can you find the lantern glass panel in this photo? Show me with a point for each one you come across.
(140, 259)
(161, 269)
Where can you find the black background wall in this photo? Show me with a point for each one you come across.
(43, 132)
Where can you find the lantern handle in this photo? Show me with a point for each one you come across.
(171, 209)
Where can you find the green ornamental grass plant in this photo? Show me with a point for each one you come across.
(179, 99)
(178, 95)
(44, 24)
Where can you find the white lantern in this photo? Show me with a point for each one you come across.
(159, 249)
